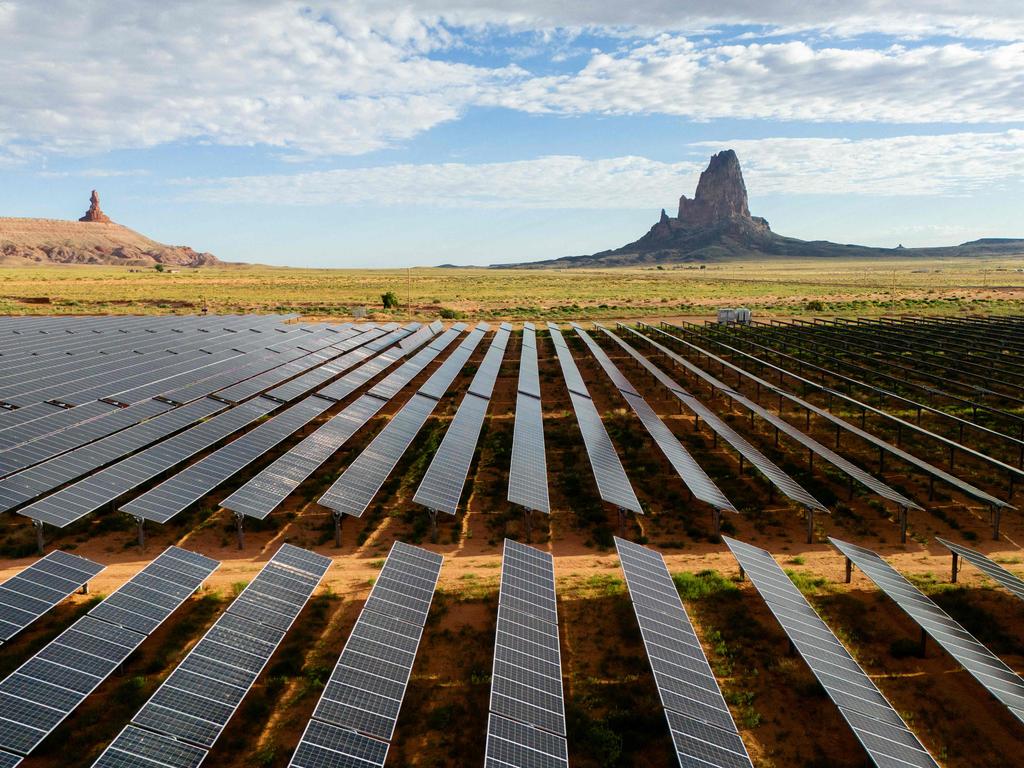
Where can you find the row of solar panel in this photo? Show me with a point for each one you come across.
(442, 483)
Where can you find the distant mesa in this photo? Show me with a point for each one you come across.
(93, 239)
(95, 213)
(716, 225)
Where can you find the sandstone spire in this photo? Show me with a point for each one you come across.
(721, 194)
(95, 213)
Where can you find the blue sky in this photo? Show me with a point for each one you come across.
(367, 133)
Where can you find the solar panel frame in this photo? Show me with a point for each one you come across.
(364, 693)
(441, 487)
(233, 652)
(526, 726)
(1009, 581)
(612, 483)
(41, 586)
(874, 721)
(64, 672)
(700, 723)
(987, 668)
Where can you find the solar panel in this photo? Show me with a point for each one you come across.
(775, 475)
(353, 491)
(526, 726)
(138, 748)
(326, 746)
(1014, 584)
(824, 413)
(194, 704)
(34, 591)
(852, 470)
(35, 481)
(366, 688)
(8, 760)
(264, 492)
(699, 720)
(526, 680)
(528, 473)
(42, 692)
(510, 743)
(1001, 681)
(874, 721)
(689, 471)
(169, 498)
(87, 495)
(442, 484)
(395, 382)
(612, 483)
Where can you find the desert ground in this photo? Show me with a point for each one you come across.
(613, 712)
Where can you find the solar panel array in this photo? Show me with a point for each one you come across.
(353, 491)
(188, 712)
(34, 591)
(526, 726)
(169, 498)
(89, 494)
(528, 470)
(356, 715)
(874, 721)
(612, 483)
(909, 458)
(851, 469)
(266, 490)
(442, 483)
(702, 728)
(42, 692)
(1013, 584)
(689, 471)
(60, 470)
(1001, 681)
(775, 474)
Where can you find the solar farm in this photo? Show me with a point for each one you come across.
(254, 540)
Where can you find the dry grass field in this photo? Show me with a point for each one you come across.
(783, 287)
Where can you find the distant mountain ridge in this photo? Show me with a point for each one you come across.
(93, 239)
(717, 225)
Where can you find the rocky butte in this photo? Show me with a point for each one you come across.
(717, 225)
(93, 239)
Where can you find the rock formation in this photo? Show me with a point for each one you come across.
(95, 214)
(25, 242)
(721, 196)
(716, 224)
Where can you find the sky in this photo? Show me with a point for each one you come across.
(390, 134)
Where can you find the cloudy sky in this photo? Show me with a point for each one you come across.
(370, 133)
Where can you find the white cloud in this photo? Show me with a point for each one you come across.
(950, 164)
(788, 81)
(334, 78)
(85, 77)
(95, 173)
(991, 20)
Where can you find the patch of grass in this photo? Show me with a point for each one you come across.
(698, 586)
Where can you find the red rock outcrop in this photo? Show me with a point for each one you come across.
(95, 214)
(721, 195)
